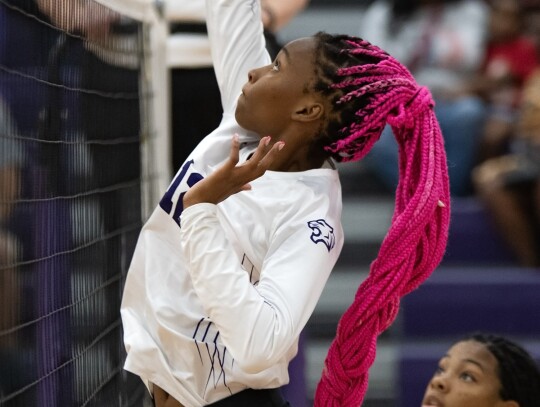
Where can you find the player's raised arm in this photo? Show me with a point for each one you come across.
(236, 35)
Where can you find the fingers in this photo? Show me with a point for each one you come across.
(259, 152)
(269, 157)
(254, 167)
(262, 157)
(235, 150)
(258, 156)
(232, 178)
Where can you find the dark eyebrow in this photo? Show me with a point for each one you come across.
(474, 362)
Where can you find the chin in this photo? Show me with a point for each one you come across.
(243, 123)
(238, 117)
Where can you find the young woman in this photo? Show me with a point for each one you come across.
(195, 97)
(485, 370)
(230, 265)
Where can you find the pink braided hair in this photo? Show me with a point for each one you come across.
(416, 240)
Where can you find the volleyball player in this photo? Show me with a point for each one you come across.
(230, 265)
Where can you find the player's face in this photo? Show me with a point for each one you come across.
(274, 92)
(466, 377)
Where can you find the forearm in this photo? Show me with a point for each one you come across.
(238, 45)
(290, 277)
(223, 286)
(278, 13)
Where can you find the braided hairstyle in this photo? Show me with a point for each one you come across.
(368, 88)
(517, 371)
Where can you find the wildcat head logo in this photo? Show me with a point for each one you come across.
(322, 232)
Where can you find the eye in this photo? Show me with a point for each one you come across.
(275, 66)
(467, 377)
(439, 371)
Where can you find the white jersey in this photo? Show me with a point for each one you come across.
(217, 295)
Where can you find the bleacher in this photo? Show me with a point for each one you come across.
(477, 287)
(473, 239)
(456, 301)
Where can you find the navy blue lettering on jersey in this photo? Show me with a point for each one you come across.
(253, 273)
(212, 354)
(185, 179)
(322, 232)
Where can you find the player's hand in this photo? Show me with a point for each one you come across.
(232, 178)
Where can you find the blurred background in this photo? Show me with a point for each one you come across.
(95, 99)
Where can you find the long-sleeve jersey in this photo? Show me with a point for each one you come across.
(217, 295)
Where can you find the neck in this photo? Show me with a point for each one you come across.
(297, 154)
(293, 158)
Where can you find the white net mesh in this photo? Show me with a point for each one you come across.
(82, 100)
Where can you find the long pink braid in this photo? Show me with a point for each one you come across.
(416, 240)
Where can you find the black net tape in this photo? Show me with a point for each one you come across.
(70, 200)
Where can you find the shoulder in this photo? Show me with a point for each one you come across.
(306, 193)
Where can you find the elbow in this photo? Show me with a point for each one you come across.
(268, 337)
(256, 359)
(255, 364)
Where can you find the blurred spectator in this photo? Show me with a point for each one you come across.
(88, 18)
(195, 99)
(11, 160)
(511, 57)
(110, 67)
(509, 185)
(10, 302)
(532, 23)
(442, 42)
(9, 292)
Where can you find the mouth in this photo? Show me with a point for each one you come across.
(432, 401)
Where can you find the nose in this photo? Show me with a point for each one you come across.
(256, 73)
(440, 382)
(252, 75)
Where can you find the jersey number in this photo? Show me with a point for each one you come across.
(167, 203)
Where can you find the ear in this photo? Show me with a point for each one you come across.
(308, 112)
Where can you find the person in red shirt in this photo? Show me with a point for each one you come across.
(511, 56)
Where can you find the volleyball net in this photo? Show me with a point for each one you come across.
(83, 118)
